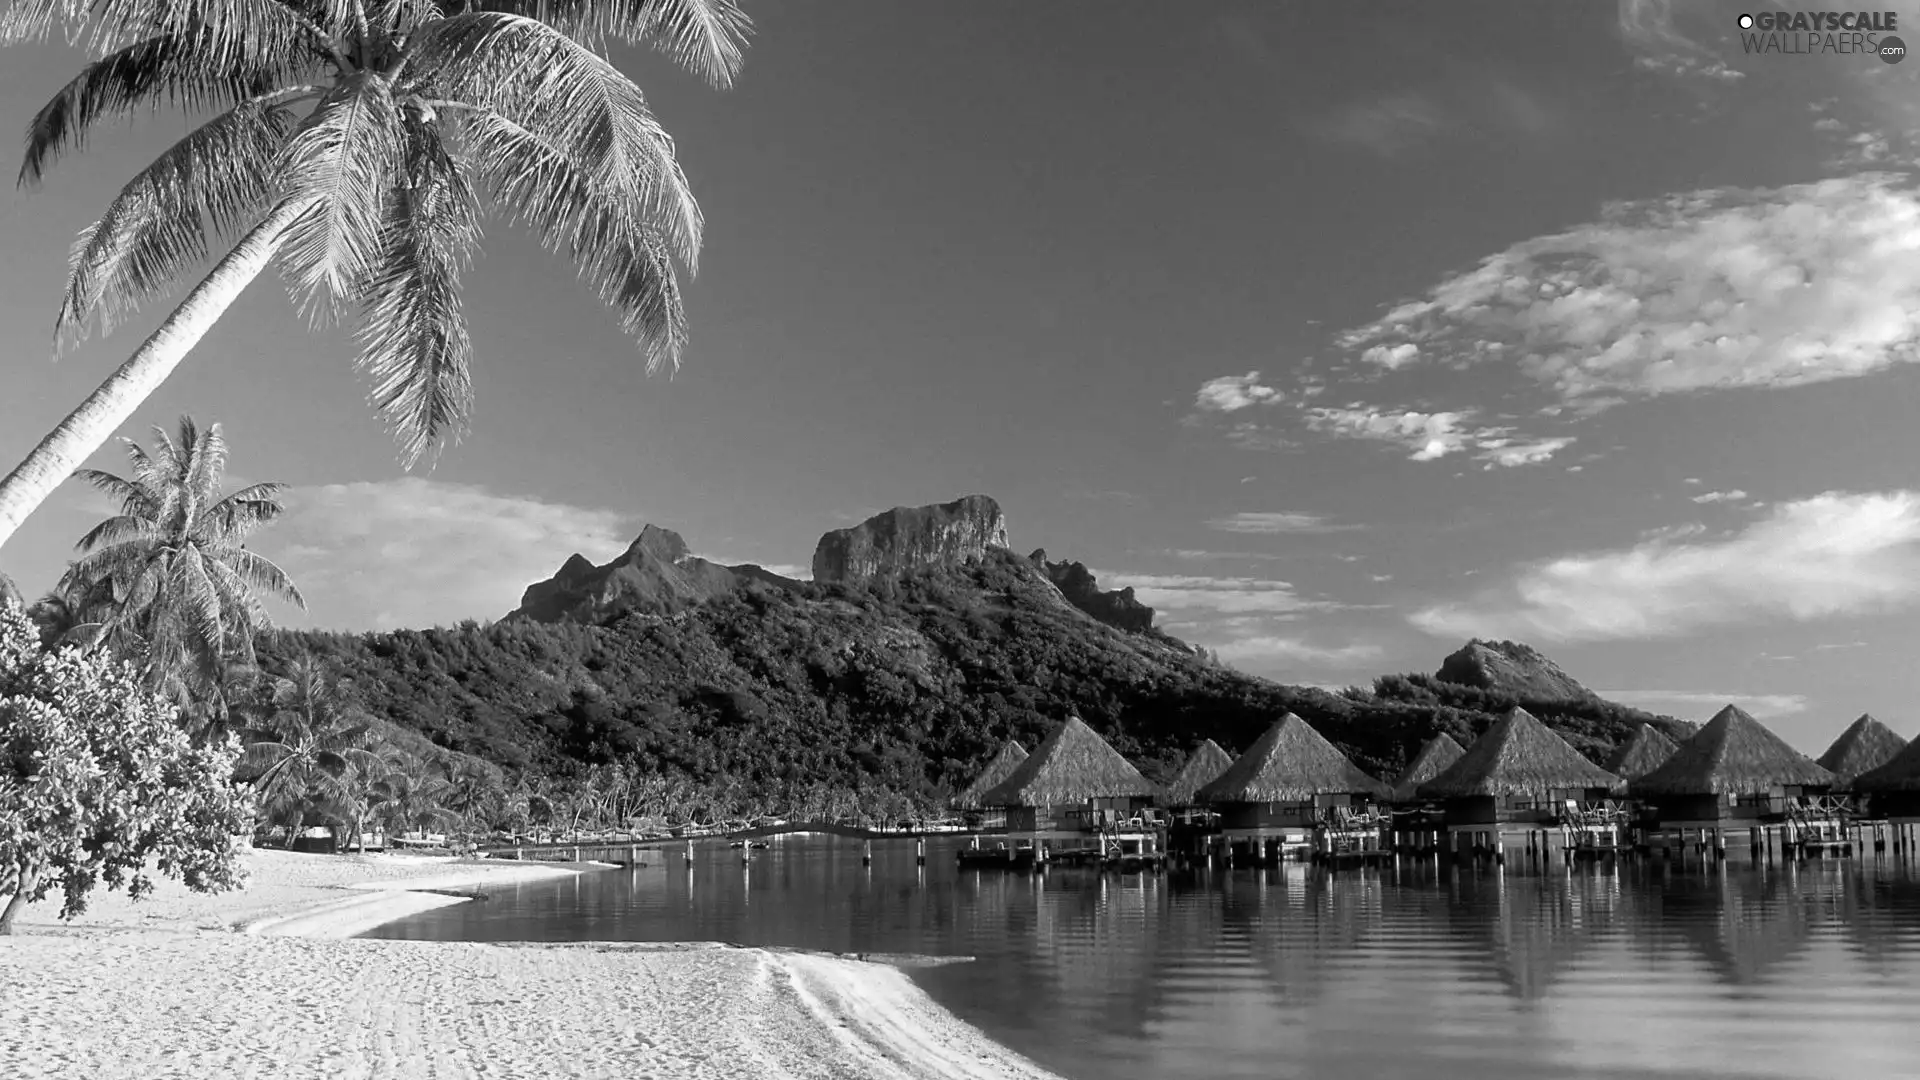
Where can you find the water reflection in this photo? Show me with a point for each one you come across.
(1632, 970)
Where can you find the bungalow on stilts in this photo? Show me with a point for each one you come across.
(1293, 793)
(1736, 776)
(1192, 821)
(1893, 790)
(1520, 779)
(1078, 800)
(998, 768)
(1419, 824)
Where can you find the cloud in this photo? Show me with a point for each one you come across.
(1231, 393)
(1198, 554)
(1720, 496)
(1392, 357)
(414, 552)
(1191, 593)
(1705, 291)
(1292, 650)
(1650, 30)
(1832, 554)
(1385, 127)
(1434, 435)
(1830, 646)
(1271, 522)
(1704, 703)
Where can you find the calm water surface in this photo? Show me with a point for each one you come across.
(1645, 970)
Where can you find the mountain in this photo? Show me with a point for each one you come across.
(902, 679)
(656, 575)
(1510, 667)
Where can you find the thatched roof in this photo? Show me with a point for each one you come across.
(1866, 745)
(1291, 762)
(1900, 773)
(1432, 760)
(1646, 751)
(1009, 757)
(1519, 755)
(1733, 754)
(1074, 764)
(1204, 767)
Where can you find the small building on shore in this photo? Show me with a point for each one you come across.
(1734, 771)
(1522, 778)
(1646, 751)
(1291, 786)
(1436, 756)
(1894, 788)
(1074, 787)
(1866, 745)
(998, 768)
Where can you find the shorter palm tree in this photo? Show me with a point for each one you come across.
(182, 593)
(303, 743)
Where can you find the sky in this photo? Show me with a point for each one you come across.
(1341, 334)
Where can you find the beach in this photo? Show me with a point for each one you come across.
(267, 983)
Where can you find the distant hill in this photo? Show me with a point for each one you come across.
(907, 672)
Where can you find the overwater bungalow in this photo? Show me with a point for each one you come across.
(1077, 796)
(1521, 780)
(1894, 789)
(1866, 745)
(1435, 757)
(1292, 793)
(1192, 820)
(998, 768)
(1736, 775)
(1646, 751)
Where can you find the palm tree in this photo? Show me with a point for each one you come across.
(353, 144)
(304, 740)
(185, 591)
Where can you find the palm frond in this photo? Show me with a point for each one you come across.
(627, 266)
(707, 37)
(235, 517)
(259, 575)
(239, 32)
(115, 531)
(212, 183)
(205, 464)
(413, 336)
(129, 494)
(575, 102)
(180, 70)
(346, 158)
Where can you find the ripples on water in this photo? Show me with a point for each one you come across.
(1645, 970)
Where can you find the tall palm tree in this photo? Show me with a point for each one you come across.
(353, 142)
(185, 591)
(304, 741)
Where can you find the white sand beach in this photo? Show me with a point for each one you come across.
(264, 983)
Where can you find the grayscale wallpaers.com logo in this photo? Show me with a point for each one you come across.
(1823, 32)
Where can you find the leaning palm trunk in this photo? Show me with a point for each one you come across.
(88, 427)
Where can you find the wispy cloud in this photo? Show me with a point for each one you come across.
(1275, 651)
(1278, 521)
(1833, 554)
(418, 552)
(1710, 290)
(1231, 393)
(1720, 496)
(1195, 593)
(1701, 704)
(1385, 127)
(1652, 31)
(1430, 436)
(1202, 554)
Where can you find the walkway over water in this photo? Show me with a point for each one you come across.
(626, 852)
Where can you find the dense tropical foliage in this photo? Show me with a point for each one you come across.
(354, 144)
(99, 784)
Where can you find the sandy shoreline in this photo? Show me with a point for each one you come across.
(166, 988)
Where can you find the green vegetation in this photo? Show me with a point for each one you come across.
(773, 699)
(98, 780)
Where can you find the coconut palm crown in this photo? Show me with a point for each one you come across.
(184, 591)
(354, 142)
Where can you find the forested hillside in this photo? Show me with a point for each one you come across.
(906, 684)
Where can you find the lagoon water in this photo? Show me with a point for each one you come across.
(1644, 969)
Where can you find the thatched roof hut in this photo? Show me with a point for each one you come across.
(1646, 751)
(1432, 760)
(1009, 757)
(1519, 755)
(1734, 754)
(1291, 762)
(1900, 773)
(1074, 765)
(1866, 745)
(1203, 768)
